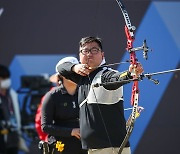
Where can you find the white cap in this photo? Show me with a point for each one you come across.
(67, 59)
(73, 60)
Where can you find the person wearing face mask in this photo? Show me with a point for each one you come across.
(10, 120)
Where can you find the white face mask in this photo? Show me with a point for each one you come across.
(5, 84)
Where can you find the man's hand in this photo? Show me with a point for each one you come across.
(136, 70)
(81, 69)
(76, 132)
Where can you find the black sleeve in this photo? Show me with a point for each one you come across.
(47, 118)
(112, 79)
(65, 70)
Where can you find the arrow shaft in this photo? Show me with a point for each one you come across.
(162, 72)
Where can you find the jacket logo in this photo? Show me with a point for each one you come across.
(74, 104)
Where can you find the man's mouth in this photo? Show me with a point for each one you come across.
(90, 58)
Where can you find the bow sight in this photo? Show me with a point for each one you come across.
(145, 49)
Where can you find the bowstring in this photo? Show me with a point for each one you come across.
(104, 124)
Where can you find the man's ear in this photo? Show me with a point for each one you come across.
(102, 53)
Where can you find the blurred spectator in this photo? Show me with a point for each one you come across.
(10, 120)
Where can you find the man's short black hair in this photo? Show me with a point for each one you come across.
(4, 72)
(90, 39)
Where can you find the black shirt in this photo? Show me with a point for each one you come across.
(59, 115)
(101, 126)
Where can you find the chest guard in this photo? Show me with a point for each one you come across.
(101, 95)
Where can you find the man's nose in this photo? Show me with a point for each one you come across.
(89, 52)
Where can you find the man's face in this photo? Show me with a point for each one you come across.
(91, 54)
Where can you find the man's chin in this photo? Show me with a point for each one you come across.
(91, 63)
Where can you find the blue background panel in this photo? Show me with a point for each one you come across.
(160, 27)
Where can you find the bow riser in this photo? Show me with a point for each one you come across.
(133, 60)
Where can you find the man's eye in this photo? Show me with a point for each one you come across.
(86, 51)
